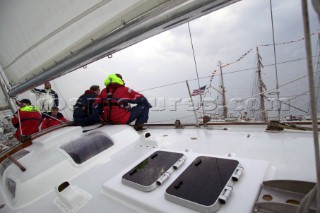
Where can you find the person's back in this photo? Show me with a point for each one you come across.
(27, 119)
(53, 118)
(117, 113)
(83, 114)
(115, 100)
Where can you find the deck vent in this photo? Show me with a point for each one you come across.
(70, 198)
(62, 186)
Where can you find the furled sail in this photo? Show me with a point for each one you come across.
(43, 39)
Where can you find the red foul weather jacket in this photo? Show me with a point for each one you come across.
(49, 122)
(120, 97)
(30, 121)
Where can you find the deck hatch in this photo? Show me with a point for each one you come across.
(87, 146)
(153, 170)
(204, 185)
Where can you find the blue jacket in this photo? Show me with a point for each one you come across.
(83, 106)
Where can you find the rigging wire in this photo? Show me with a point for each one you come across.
(294, 97)
(275, 58)
(195, 61)
(194, 57)
(229, 72)
(236, 71)
(267, 91)
(302, 94)
(257, 94)
(290, 105)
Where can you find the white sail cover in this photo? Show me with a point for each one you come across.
(44, 36)
(35, 33)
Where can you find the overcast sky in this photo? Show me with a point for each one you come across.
(224, 35)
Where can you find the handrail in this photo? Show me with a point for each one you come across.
(27, 143)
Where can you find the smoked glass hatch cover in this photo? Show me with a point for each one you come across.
(87, 146)
(153, 170)
(202, 185)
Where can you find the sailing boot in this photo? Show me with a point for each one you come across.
(25, 138)
(139, 127)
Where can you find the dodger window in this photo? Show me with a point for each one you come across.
(87, 146)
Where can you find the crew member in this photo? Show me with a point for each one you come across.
(83, 114)
(115, 100)
(53, 118)
(27, 120)
(46, 98)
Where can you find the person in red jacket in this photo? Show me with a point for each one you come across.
(27, 120)
(53, 118)
(115, 101)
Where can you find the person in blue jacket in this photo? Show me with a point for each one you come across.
(83, 114)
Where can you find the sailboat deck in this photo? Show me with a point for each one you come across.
(264, 155)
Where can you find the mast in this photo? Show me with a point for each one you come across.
(4, 89)
(223, 92)
(261, 86)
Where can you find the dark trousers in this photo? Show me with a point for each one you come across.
(140, 113)
(85, 121)
(80, 119)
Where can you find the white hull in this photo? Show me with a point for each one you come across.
(59, 175)
(264, 155)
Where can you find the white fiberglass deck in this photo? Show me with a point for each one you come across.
(264, 156)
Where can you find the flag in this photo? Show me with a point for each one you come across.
(198, 91)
